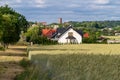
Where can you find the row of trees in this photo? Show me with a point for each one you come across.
(11, 24)
(96, 24)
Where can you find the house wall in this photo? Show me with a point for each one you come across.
(117, 34)
(63, 39)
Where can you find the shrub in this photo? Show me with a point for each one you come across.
(25, 63)
(2, 48)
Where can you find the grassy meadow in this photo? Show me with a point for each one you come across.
(110, 49)
(74, 62)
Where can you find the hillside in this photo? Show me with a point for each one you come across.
(95, 24)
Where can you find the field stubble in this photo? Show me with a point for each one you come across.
(75, 62)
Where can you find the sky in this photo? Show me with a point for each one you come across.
(69, 10)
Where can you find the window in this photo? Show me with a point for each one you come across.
(70, 34)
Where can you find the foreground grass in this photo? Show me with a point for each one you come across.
(9, 62)
(73, 67)
(73, 62)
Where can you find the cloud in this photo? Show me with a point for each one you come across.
(24, 3)
(50, 10)
(40, 1)
(74, 5)
(101, 1)
(18, 1)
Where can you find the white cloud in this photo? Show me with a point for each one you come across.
(39, 6)
(74, 5)
(18, 1)
(66, 12)
(101, 1)
(103, 7)
(22, 3)
(40, 1)
(10, 3)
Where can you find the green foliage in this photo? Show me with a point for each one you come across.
(95, 24)
(2, 48)
(94, 34)
(33, 34)
(89, 40)
(11, 24)
(117, 28)
(10, 31)
(25, 63)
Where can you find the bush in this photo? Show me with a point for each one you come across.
(2, 48)
(89, 40)
(25, 63)
(42, 40)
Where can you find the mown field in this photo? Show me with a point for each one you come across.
(74, 62)
(110, 49)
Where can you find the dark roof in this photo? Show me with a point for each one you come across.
(62, 30)
(70, 37)
(80, 32)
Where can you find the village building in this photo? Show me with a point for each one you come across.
(67, 35)
(117, 34)
(86, 35)
(48, 32)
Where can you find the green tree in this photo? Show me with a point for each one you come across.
(0, 26)
(11, 24)
(33, 34)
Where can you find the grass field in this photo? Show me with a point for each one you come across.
(110, 49)
(74, 62)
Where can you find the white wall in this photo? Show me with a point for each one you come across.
(62, 39)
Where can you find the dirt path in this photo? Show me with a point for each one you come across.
(9, 62)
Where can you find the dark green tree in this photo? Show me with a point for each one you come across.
(11, 24)
(32, 34)
(0, 26)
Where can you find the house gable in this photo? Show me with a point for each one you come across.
(64, 37)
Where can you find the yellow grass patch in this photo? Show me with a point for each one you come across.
(107, 49)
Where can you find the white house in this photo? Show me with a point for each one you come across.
(68, 35)
(117, 34)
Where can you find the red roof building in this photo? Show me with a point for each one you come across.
(86, 35)
(48, 32)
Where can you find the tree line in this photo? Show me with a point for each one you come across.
(96, 24)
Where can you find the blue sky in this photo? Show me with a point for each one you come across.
(70, 10)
